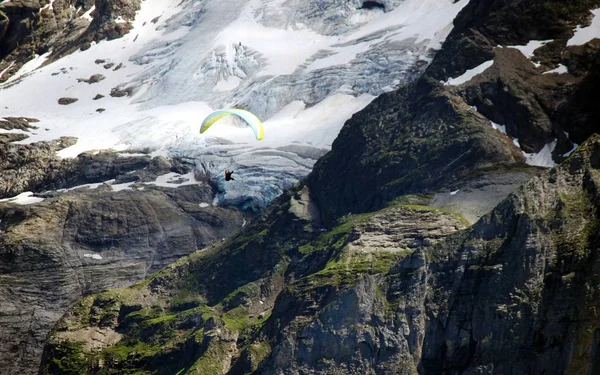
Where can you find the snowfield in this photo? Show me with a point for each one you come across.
(302, 67)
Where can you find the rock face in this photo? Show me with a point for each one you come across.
(413, 140)
(36, 167)
(83, 242)
(538, 252)
(377, 294)
(37, 27)
(86, 240)
(429, 134)
(354, 271)
(532, 104)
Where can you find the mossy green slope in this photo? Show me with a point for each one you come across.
(215, 311)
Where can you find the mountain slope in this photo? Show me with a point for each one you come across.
(288, 62)
(393, 285)
(308, 287)
(373, 295)
(138, 78)
(466, 114)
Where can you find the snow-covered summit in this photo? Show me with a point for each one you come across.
(304, 67)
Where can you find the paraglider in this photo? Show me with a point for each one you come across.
(250, 119)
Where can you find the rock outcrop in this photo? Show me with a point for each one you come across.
(404, 290)
(429, 133)
(85, 241)
(354, 271)
(33, 27)
(536, 105)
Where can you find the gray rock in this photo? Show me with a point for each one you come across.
(67, 101)
(93, 79)
(118, 92)
(46, 249)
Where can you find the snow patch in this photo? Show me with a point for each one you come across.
(123, 186)
(204, 205)
(567, 154)
(88, 15)
(23, 199)
(585, 34)
(469, 74)
(560, 69)
(131, 155)
(175, 180)
(227, 84)
(501, 128)
(93, 256)
(542, 158)
(530, 47)
(14, 131)
(454, 192)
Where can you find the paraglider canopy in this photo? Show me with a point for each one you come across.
(250, 119)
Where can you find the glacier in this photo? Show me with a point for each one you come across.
(303, 67)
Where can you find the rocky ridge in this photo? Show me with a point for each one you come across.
(378, 293)
(58, 27)
(85, 241)
(361, 275)
(312, 287)
(85, 234)
(431, 133)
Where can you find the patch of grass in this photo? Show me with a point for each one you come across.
(81, 310)
(249, 290)
(258, 352)
(338, 236)
(67, 358)
(418, 207)
(212, 360)
(187, 299)
(411, 199)
(161, 319)
(130, 354)
(347, 271)
(237, 319)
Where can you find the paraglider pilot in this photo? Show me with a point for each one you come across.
(228, 175)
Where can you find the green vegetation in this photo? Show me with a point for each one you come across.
(346, 271)
(212, 360)
(458, 216)
(67, 358)
(581, 225)
(237, 319)
(130, 353)
(81, 311)
(411, 199)
(187, 299)
(258, 351)
(338, 236)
